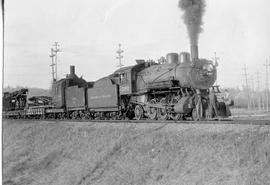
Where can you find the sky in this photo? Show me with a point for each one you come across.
(89, 33)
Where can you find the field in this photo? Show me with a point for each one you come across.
(242, 113)
(69, 153)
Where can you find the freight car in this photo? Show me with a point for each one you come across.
(178, 88)
(14, 103)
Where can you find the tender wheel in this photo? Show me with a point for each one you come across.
(162, 113)
(138, 112)
(152, 112)
(73, 115)
(83, 116)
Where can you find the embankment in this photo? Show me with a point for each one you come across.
(58, 153)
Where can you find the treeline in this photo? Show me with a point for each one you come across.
(249, 98)
(31, 91)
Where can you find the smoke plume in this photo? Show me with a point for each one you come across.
(193, 12)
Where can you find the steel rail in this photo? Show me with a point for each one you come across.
(217, 122)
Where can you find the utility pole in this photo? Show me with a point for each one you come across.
(216, 62)
(267, 93)
(52, 55)
(56, 49)
(259, 92)
(216, 59)
(252, 93)
(246, 78)
(120, 56)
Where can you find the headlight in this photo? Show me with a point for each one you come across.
(208, 67)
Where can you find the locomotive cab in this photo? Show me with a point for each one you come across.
(127, 78)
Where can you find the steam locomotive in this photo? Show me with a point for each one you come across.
(177, 88)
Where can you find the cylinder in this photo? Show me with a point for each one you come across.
(183, 106)
(172, 58)
(72, 70)
(194, 52)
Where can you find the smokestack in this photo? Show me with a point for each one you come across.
(193, 12)
(194, 52)
(72, 70)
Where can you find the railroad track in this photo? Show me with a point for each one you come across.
(221, 121)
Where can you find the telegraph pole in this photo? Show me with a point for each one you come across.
(52, 55)
(258, 90)
(253, 94)
(216, 61)
(56, 49)
(252, 91)
(120, 56)
(246, 78)
(267, 94)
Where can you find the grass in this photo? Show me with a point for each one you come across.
(81, 153)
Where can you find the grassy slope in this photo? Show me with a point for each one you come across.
(80, 154)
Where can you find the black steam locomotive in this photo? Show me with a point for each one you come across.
(178, 88)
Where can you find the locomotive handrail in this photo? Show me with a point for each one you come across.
(169, 70)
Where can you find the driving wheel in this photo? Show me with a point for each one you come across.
(162, 112)
(152, 111)
(138, 112)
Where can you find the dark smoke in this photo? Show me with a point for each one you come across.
(193, 12)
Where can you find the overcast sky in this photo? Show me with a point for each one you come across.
(89, 32)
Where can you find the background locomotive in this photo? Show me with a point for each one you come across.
(177, 88)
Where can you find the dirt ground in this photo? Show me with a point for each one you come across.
(67, 153)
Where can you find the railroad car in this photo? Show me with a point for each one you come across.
(14, 103)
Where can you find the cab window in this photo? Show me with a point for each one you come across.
(123, 78)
